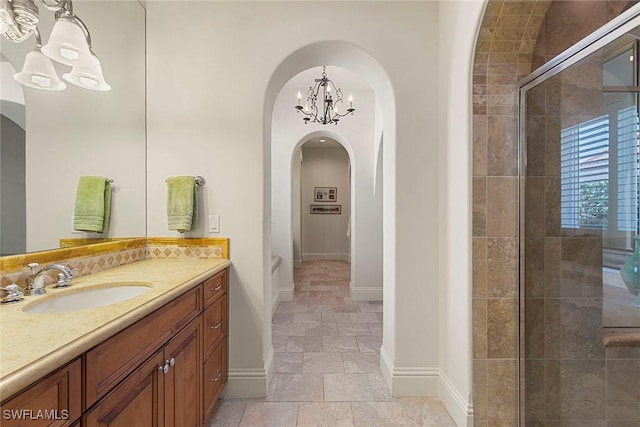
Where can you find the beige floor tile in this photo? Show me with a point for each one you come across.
(279, 343)
(227, 413)
(322, 330)
(325, 414)
(289, 329)
(291, 307)
(361, 362)
(282, 318)
(307, 318)
(369, 343)
(364, 318)
(347, 388)
(287, 363)
(322, 363)
(353, 329)
(299, 388)
(381, 392)
(339, 344)
(268, 414)
(335, 318)
(304, 344)
(375, 329)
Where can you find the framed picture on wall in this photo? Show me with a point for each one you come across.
(325, 194)
(326, 209)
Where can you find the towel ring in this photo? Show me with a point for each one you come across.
(109, 180)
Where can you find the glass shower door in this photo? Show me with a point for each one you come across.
(580, 175)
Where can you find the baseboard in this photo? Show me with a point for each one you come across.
(460, 409)
(409, 381)
(249, 383)
(325, 257)
(274, 303)
(365, 293)
(286, 294)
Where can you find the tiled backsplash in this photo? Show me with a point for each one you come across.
(89, 259)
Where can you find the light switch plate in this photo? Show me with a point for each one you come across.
(214, 223)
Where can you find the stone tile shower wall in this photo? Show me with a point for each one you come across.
(511, 32)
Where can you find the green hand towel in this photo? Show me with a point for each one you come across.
(93, 203)
(181, 202)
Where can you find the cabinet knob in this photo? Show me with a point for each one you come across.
(217, 288)
(164, 368)
(217, 325)
(218, 377)
(172, 361)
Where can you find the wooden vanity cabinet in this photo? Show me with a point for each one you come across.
(56, 400)
(165, 370)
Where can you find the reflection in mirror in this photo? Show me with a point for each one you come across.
(51, 139)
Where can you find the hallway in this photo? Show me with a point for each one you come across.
(327, 363)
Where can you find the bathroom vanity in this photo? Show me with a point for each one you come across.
(156, 359)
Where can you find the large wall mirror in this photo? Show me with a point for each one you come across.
(50, 139)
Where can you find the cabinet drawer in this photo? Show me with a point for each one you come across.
(110, 362)
(54, 401)
(215, 376)
(215, 323)
(215, 286)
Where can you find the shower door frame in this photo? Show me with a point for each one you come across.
(606, 34)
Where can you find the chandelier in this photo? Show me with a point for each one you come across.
(330, 113)
(69, 44)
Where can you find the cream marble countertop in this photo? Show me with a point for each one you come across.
(33, 345)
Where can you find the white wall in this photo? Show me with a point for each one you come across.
(458, 22)
(324, 236)
(296, 204)
(206, 115)
(79, 132)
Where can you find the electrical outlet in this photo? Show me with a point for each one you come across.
(214, 223)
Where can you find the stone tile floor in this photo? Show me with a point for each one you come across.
(327, 364)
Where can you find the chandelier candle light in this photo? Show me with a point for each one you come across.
(69, 44)
(330, 113)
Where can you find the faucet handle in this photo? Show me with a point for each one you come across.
(33, 266)
(63, 281)
(15, 294)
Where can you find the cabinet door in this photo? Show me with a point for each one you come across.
(54, 401)
(111, 361)
(137, 401)
(183, 380)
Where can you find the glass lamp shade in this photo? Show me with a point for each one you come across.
(68, 44)
(88, 77)
(38, 73)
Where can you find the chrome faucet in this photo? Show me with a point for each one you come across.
(35, 283)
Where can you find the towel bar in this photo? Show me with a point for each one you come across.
(199, 180)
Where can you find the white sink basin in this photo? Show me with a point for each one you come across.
(90, 297)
